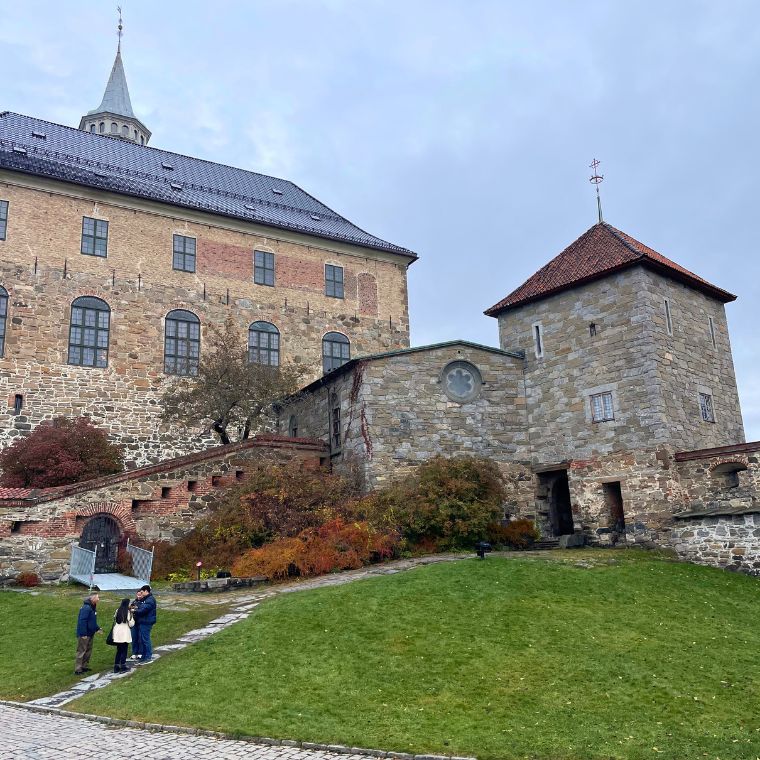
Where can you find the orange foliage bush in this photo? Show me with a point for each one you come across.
(28, 580)
(517, 534)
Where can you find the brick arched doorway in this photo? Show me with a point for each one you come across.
(102, 534)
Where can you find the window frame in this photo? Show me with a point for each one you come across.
(270, 350)
(706, 407)
(86, 304)
(4, 299)
(184, 253)
(264, 271)
(327, 340)
(607, 413)
(191, 370)
(334, 283)
(4, 207)
(94, 237)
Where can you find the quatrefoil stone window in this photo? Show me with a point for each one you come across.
(461, 381)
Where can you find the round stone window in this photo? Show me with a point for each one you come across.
(461, 381)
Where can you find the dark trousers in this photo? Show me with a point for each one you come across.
(121, 656)
(135, 639)
(146, 646)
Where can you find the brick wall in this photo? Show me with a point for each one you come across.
(43, 270)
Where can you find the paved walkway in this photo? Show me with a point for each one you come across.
(26, 735)
(244, 603)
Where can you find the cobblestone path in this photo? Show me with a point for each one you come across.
(27, 735)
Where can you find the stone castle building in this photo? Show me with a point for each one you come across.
(116, 258)
(610, 405)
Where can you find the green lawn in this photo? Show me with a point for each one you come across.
(634, 657)
(38, 639)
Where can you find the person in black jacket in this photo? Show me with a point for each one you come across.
(87, 627)
(145, 616)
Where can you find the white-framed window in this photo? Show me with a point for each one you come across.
(711, 324)
(601, 407)
(706, 407)
(668, 318)
(538, 339)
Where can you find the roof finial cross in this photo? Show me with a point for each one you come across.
(596, 179)
(121, 26)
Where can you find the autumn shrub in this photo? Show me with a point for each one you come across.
(57, 453)
(520, 534)
(336, 545)
(28, 580)
(448, 503)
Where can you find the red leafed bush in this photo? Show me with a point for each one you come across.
(58, 453)
(518, 534)
(336, 545)
(28, 580)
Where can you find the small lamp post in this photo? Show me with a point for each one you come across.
(482, 547)
(198, 566)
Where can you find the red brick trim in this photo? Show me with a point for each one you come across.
(737, 448)
(120, 511)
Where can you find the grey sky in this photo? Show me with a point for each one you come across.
(462, 130)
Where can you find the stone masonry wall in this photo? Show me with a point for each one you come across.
(159, 503)
(43, 271)
(607, 336)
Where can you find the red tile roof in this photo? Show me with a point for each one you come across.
(600, 251)
(15, 493)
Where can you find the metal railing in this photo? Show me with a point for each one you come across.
(83, 565)
(142, 562)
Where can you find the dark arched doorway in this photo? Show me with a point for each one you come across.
(102, 535)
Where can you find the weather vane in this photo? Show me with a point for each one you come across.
(596, 179)
(121, 26)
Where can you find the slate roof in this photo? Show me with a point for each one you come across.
(116, 97)
(599, 252)
(44, 149)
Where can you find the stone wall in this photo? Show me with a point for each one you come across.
(609, 336)
(156, 503)
(43, 271)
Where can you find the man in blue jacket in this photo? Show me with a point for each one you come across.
(145, 617)
(87, 627)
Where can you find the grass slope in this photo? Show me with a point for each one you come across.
(38, 640)
(507, 658)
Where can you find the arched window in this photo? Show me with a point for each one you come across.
(264, 344)
(114, 128)
(124, 130)
(142, 140)
(3, 317)
(102, 127)
(88, 332)
(92, 127)
(293, 426)
(336, 351)
(182, 343)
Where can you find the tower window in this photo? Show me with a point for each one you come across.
(102, 127)
(333, 281)
(264, 344)
(592, 330)
(293, 426)
(601, 407)
(336, 351)
(184, 253)
(711, 325)
(114, 128)
(88, 332)
(94, 237)
(92, 127)
(263, 268)
(3, 219)
(668, 319)
(3, 318)
(182, 343)
(538, 340)
(706, 407)
(124, 130)
(18, 403)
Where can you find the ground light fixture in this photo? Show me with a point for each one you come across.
(482, 548)
(198, 566)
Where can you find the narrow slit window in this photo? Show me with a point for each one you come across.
(263, 268)
(592, 330)
(601, 407)
(538, 340)
(3, 219)
(711, 324)
(333, 281)
(183, 255)
(668, 318)
(94, 237)
(3, 318)
(18, 403)
(706, 407)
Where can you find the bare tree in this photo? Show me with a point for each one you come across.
(230, 393)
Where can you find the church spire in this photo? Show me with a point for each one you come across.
(114, 116)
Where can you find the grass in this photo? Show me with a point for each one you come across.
(38, 639)
(599, 655)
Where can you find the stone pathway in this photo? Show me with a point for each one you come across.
(244, 602)
(33, 735)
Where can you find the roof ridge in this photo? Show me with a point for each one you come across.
(618, 235)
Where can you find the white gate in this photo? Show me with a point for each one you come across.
(82, 565)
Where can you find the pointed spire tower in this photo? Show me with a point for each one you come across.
(114, 116)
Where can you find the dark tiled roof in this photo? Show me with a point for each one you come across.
(120, 166)
(597, 253)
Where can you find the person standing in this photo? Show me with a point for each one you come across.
(123, 621)
(87, 627)
(145, 614)
(135, 627)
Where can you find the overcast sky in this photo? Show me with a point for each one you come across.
(462, 130)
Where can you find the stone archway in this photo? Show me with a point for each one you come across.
(102, 534)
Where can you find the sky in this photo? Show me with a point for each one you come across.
(462, 130)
